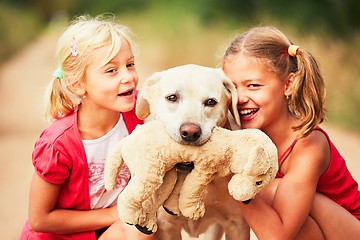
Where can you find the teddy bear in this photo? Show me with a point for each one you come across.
(247, 156)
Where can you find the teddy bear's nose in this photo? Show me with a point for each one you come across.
(190, 132)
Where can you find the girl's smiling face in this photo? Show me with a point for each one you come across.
(260, 91)
(111, 86)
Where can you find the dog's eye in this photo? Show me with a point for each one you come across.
(210, 102)
(172, 98)
(259, 183)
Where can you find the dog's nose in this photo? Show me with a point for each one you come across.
(190, 132)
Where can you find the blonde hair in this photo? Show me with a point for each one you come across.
(74, 48)
(270, 45)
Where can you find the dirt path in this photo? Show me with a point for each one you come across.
(22, 82)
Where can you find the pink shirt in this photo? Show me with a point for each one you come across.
(336, 182)
(59, 157)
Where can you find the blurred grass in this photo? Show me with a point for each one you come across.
(172, 33)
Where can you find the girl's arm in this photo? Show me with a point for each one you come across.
(283, 212)
(44, 217)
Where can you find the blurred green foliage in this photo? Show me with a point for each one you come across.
(192, 30)
(337, 17)
(17, 26)
(21, 20)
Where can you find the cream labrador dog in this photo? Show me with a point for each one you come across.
(191, 100)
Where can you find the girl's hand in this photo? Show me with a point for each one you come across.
(45, 217)
(114, 213)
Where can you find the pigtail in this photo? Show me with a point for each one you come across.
(308, 93)
(60, 100)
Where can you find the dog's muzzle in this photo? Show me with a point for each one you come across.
(190, 132)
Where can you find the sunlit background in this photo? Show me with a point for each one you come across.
(168, 33)
(183, 31)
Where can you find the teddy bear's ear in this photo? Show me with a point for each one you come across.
(234, 97)
(144, 96)
(258, 161)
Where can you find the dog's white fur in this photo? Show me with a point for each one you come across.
(187, 94)
(202, 96)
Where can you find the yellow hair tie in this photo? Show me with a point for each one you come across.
(292, 50)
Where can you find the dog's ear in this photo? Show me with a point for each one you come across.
(144, 96)
(234, 97)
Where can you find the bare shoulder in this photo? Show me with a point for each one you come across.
(316, 140)
(313, 152)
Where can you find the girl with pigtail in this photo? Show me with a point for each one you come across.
(281, 92)
(91, 101)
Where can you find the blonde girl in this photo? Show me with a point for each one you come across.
(281, 91)
(91, 100)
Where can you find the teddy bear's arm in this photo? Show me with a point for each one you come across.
(191, 200)
(171, 205)
(112, 166)
(167, 188)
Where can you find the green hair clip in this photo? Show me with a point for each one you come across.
(58, 73)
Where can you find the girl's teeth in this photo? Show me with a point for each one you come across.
(248, 111)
